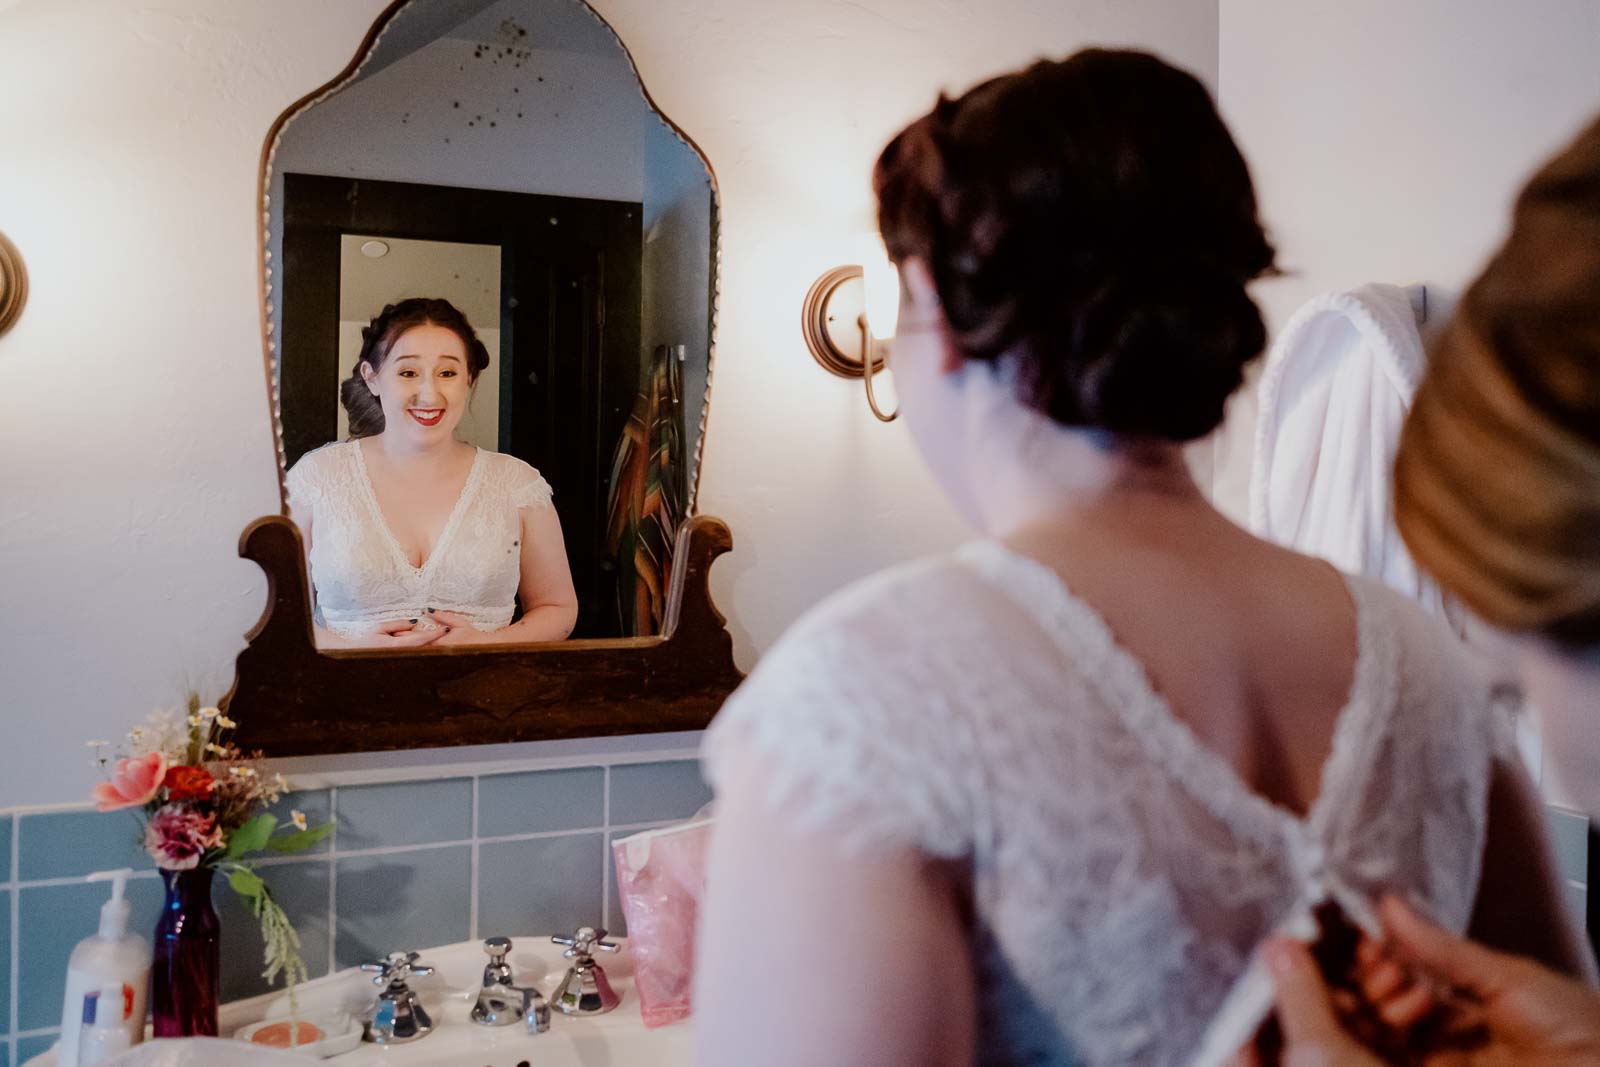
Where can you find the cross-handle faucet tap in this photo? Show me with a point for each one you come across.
(585, 989)
(399, 1016)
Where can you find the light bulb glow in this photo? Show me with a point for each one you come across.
(882, 286)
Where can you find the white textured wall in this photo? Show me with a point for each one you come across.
(1387, 140)
(135, 435)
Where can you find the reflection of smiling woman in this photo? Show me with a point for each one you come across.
(415, 538)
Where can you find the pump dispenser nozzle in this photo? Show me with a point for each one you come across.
(114, 912)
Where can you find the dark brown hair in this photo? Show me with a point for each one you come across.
(379, 336)
(1093, 217)
(1497, 478)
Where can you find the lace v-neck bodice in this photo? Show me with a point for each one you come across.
(361, 574)
(1123, 873)
(468, 489)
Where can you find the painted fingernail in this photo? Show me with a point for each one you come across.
(413, 620)
(430, 611)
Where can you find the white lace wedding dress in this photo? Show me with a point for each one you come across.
(362, 576)
(1123, 873)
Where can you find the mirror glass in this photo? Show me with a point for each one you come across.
(491, 274)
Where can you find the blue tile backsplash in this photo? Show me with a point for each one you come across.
(652, 792)
(546, 885)
(99, 841)
(404, 900)
(540, 801)
(29, 1047)
(302, 889)
(410, 864)
(405, 813)
(5, 961)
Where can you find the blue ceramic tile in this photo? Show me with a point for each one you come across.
(652, 792)
(541, 801)
(68, 844)
(5, 848)
(405, 813)
(314, 803)
(302, 890)
(29, 1047)
(5, 961)
(1577, 900)
(1569, 833)
(5, 1053)
(412, 900)
(616, 921)
(547, 886)
(51, 920)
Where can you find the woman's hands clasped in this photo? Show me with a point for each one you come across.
(458, 630)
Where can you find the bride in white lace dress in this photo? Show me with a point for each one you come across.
(1039, 800)
(416, 538)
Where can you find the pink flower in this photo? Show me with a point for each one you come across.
(136, 781)
(178, 836)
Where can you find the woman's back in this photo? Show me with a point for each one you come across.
(1120, 871)
(1252, 646)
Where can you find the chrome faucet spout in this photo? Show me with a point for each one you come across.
(501, 1001)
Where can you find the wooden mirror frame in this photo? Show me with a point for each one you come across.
(291, 699)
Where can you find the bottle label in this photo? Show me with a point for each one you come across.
(91, 1005)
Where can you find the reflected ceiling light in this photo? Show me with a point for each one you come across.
(374, 249)
(849, 317)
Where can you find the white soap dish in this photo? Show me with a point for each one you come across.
(336, 1033)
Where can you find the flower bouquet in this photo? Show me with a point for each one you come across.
(204, 802)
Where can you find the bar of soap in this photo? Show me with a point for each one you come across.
(276, 1035)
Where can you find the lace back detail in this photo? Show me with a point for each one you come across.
(1123, 873)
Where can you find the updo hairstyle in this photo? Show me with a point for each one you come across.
(1497, 477)
(1092, 218)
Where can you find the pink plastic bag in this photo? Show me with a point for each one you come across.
(661, 875)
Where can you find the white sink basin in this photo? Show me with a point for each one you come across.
(616, 1039)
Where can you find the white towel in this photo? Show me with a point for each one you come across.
(1337, 384)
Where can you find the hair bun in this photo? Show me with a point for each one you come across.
(1092, 219)
(1159, 349)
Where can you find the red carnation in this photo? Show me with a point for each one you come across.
(189, 783)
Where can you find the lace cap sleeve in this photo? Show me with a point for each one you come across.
(306, 483)
(854, 740)
(526, 487)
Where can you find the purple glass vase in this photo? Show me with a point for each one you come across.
(185, 974)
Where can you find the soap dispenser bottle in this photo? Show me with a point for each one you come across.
(107, 1036)
(112, 961)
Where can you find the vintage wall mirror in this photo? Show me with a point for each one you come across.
(488, 306)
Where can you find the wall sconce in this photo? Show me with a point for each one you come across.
(849, 316)
(13, 284)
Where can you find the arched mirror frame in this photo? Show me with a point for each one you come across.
(291, 699)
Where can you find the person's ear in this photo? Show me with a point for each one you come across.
(367, 375)
(920, 306)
